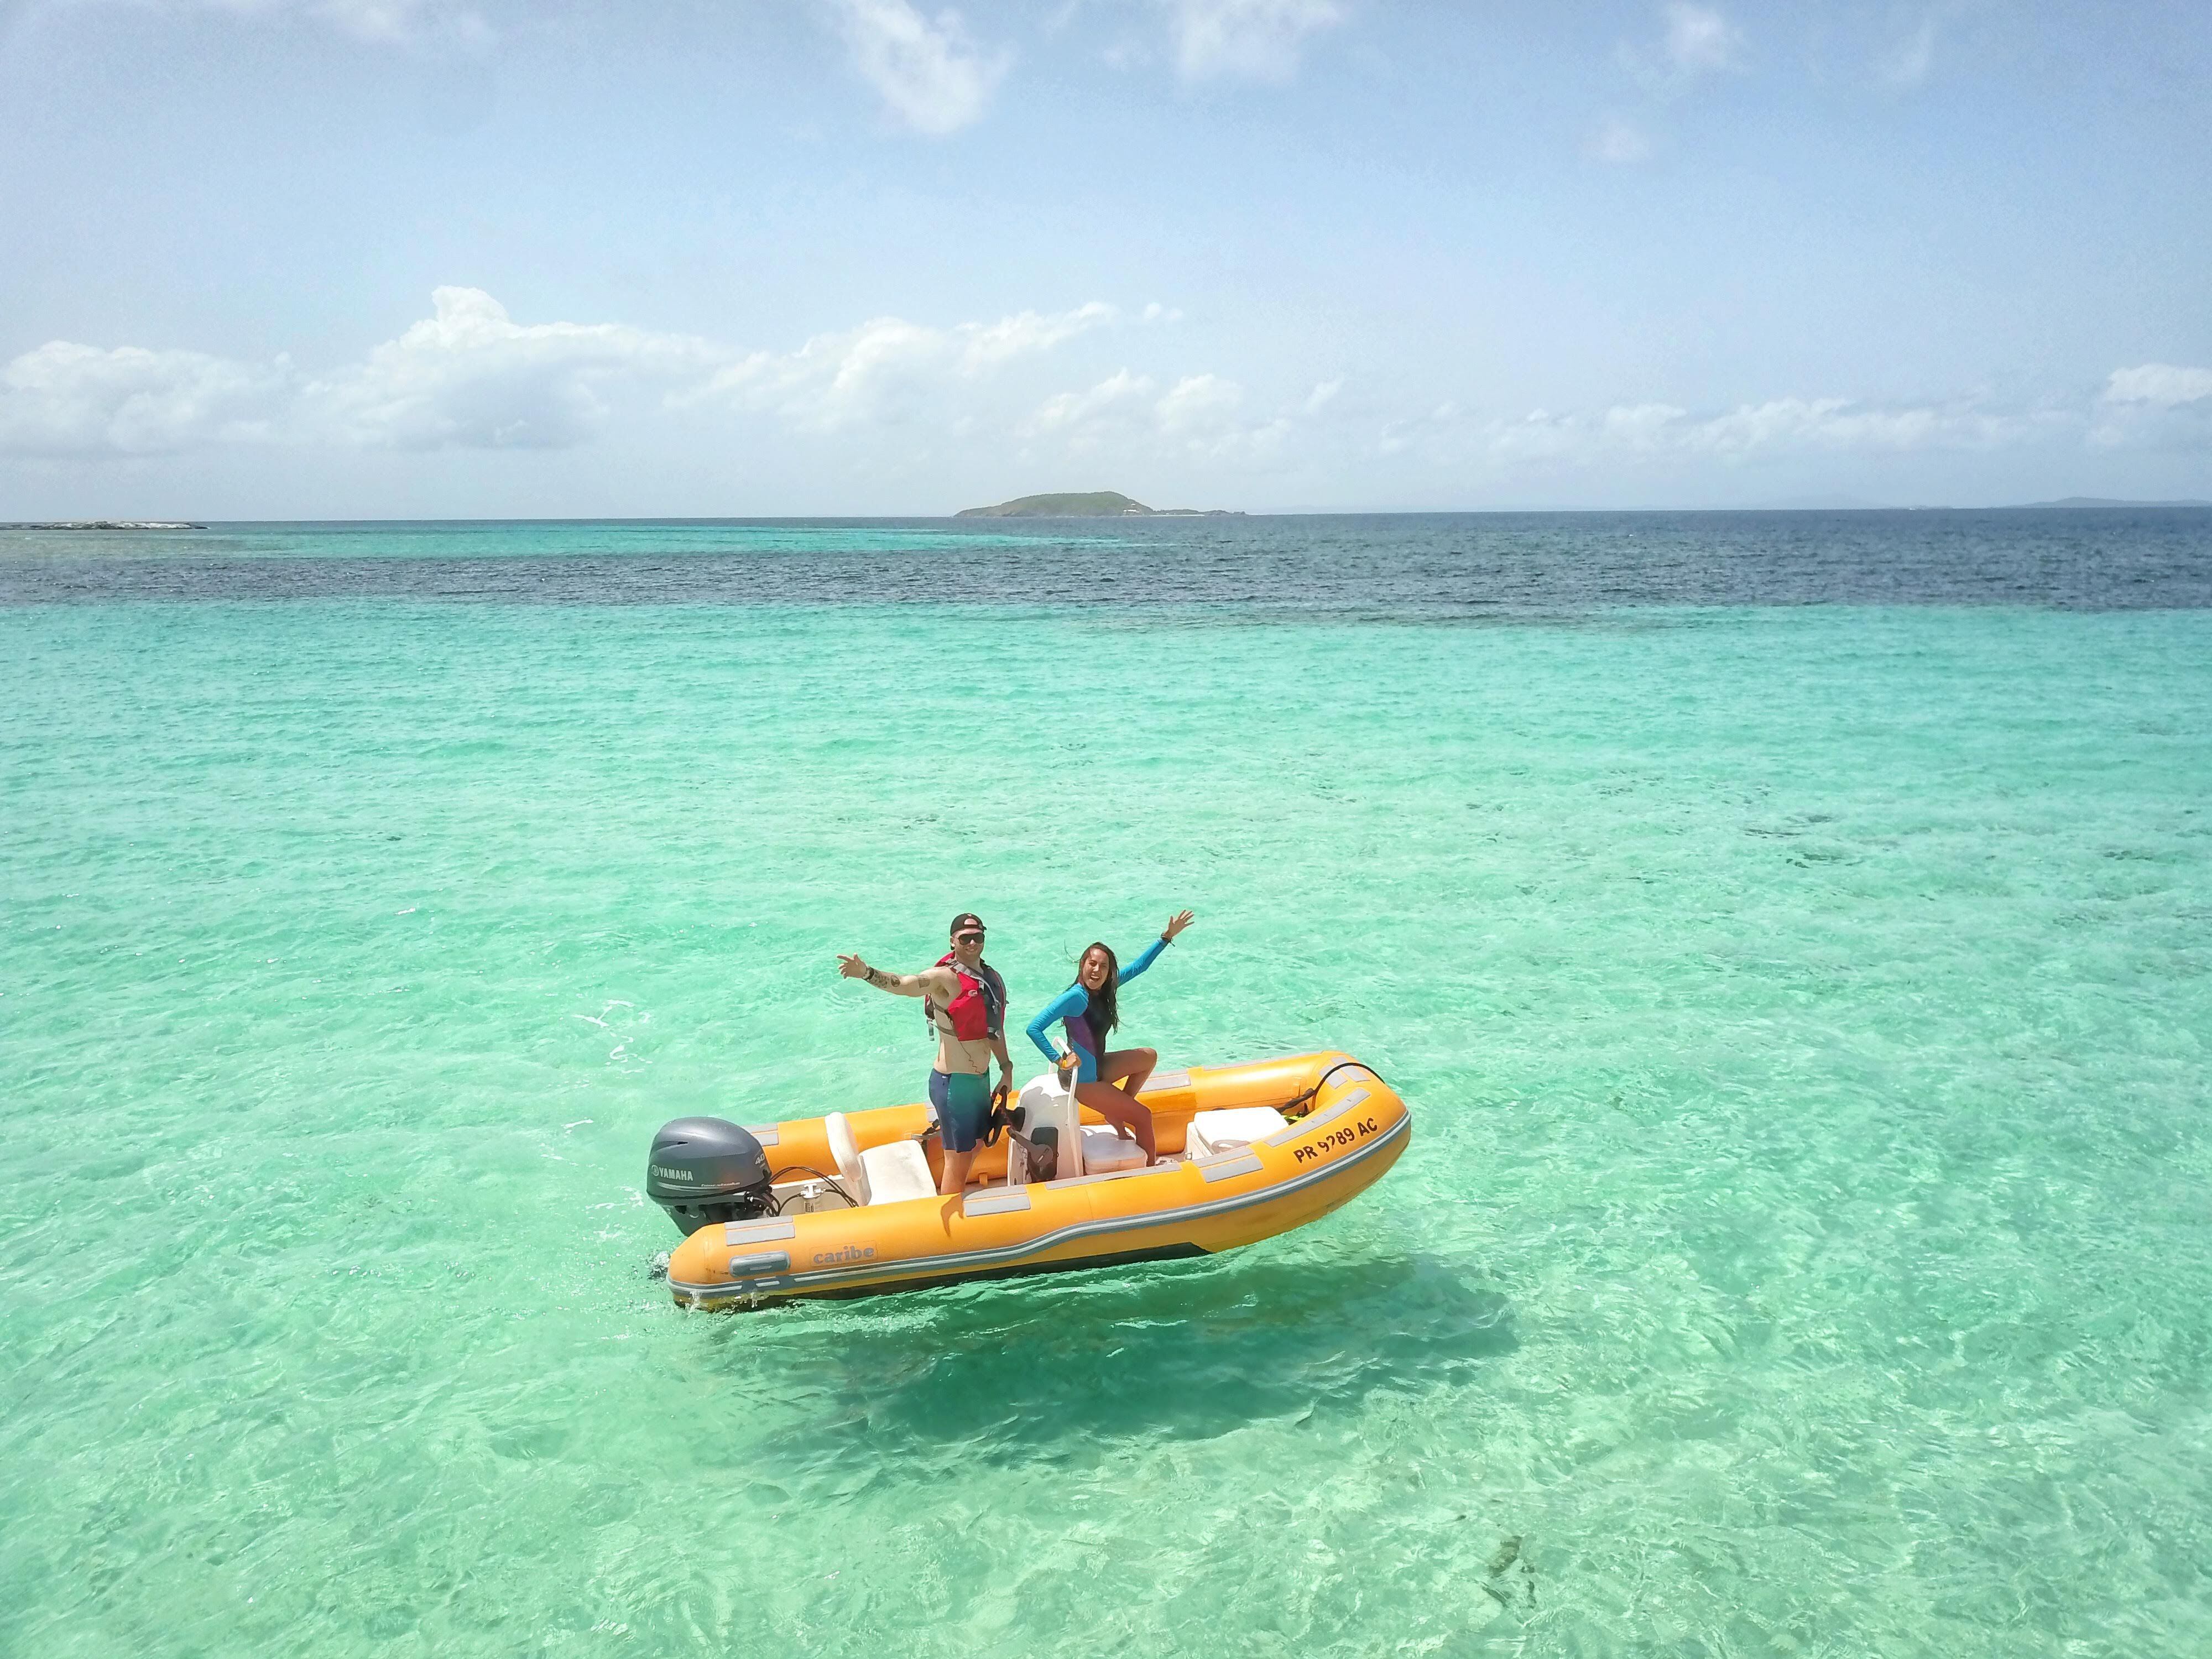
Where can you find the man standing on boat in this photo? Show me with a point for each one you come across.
(965, 1001)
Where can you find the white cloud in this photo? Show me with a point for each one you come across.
(1780, 425)
(988, 345)
(64, 399)
(890, 370)
(1200, 417)
(406, 21)
(1908, 64)
(380, 22)
(1750, 432)
(470, 377)
(1700, 41)
(2163, 386)
(1249, 39)
(2155, 406)
(1838, 424)
(883, 369)
(1198, 404)
(1619, 143)
(467, 377)
(932, 75)
(1082, 414)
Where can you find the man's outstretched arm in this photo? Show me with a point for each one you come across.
(899, 985)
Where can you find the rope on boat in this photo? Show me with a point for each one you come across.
(1298, 1105)
(830, 1181)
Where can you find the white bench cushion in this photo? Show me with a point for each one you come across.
(1218, 1131)
(896, 1173)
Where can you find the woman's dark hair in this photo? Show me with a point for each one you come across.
(1102, 1013)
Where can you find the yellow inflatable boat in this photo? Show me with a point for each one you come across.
(846, 1205)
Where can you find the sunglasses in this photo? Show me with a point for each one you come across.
(967, 939)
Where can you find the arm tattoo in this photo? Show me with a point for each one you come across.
(899, 985)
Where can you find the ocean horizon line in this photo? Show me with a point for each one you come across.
(189, 523)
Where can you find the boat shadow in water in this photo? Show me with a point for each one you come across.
(1067, 1370)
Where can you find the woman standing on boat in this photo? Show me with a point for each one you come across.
(1088, 1008)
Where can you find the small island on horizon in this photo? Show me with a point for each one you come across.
(1094, 504)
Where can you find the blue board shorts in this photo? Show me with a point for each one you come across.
(962, 1100)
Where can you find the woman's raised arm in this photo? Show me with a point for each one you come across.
(1177, 923)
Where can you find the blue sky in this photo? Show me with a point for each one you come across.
(420, 257)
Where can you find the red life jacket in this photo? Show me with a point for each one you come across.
(970, 1013)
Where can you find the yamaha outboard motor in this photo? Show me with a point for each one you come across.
(703, 1170)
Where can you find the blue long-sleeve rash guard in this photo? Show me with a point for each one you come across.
(1073, 1006)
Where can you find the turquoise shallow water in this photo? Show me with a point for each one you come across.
(1804, 1247)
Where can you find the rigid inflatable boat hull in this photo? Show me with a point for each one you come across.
(1354, 1129)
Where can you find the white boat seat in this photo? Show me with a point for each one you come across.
(1220, 1132)
(1046, 1101)
(1045, 1104)
(881, 1174)
(845, 1153)
(896, 1173)
(1104, 1150)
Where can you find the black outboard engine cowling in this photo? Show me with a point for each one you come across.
(703, 1170)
